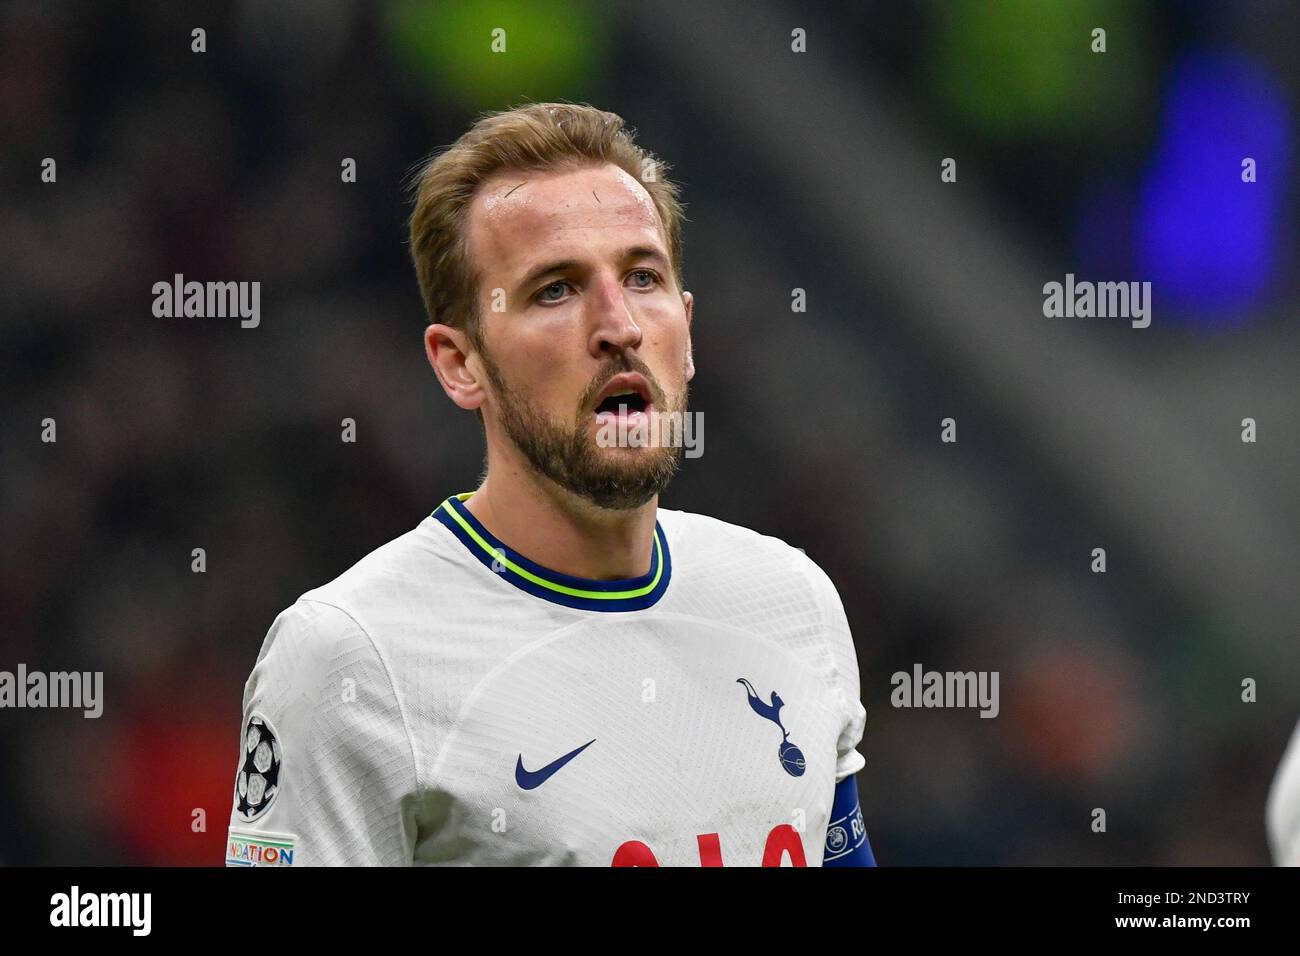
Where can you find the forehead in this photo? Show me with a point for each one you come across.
(518, 219)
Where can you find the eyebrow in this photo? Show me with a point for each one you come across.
(565, 265)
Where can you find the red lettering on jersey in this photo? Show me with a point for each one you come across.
(710, 849)
(634, 853)
(783, 839)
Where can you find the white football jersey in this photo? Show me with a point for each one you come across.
(1282, 813)
(448, 701)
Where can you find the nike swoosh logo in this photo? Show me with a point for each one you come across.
(532, 779)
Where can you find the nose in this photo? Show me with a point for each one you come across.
(613, 328)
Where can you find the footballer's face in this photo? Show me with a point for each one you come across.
(585, 334)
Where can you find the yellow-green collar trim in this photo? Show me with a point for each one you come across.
(629, 594)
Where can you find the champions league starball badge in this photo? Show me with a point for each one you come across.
(259, 771)
(790, 756)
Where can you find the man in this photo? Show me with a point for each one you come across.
(551, 669)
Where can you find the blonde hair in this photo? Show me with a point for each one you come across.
(539, 136)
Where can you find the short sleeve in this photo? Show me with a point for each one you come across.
(325, 773)
(844, 660)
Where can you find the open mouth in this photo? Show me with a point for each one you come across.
(628, 399)
(625, 396)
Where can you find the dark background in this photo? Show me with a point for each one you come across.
(815, 170)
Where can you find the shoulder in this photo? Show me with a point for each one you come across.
(701, 540)
(779, 590)
(762, 583)
(412, 556)
(700, 536)
(341, 619)
(422, 572)
(305, 644)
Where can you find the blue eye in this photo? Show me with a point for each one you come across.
(559, 290)
(545, 294)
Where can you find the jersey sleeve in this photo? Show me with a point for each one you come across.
(846, 835)
(844, 659)
(325, 773)
(1282, 811)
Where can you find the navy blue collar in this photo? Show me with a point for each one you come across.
(628, 594)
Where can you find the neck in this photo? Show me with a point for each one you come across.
(558, 529)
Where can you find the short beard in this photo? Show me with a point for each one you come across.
(569, 457)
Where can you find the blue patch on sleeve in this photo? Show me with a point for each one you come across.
(846, 834)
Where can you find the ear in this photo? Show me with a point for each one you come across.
(449, 352)
(688, 300)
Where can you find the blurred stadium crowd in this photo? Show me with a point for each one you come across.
(815, 171)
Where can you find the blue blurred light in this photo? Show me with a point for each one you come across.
(1207, 241)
